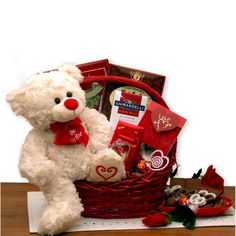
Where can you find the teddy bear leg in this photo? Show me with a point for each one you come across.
(63, 210)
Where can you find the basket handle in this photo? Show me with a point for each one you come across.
(126, 81)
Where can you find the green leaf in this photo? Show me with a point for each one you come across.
(190, 222)
(168, 219)
(183, 214)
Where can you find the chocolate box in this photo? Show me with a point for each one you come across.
(155, 81)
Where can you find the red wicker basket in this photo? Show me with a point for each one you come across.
(135, 196)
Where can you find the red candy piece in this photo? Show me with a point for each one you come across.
(183, 200)
(142, 166)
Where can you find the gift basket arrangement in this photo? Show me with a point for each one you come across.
(144, 193)
(143, 189)
(103, 145)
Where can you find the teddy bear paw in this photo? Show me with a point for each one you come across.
(107, 166)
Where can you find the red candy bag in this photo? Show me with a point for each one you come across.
(126, 141)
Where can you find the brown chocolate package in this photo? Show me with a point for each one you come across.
(153, 80)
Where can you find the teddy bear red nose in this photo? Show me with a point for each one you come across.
(71, 104)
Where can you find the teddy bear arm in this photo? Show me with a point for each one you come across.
(34, 164)
(99, 129)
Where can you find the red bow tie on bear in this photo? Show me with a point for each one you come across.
(68, 133)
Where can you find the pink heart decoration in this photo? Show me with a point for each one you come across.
(106, 173)
(163, 119)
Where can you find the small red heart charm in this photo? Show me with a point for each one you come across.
(163, 119)
(106, 173)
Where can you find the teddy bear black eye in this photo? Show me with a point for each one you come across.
(69, 94)
(57, 100)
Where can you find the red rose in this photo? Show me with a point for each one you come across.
(154, 220)
(212, 179)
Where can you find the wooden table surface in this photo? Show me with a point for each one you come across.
(14, 217)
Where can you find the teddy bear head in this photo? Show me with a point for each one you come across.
(49, 97)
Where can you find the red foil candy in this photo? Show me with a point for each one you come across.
(183, 200)
(142, 166)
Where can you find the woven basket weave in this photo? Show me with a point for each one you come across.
(135, 196)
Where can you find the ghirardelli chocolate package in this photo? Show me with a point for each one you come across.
(112, 88)
(127, 107)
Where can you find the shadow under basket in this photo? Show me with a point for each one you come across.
(133, 197)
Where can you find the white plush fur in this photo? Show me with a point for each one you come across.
(54, 168)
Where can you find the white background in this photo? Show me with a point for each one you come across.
(193, 43)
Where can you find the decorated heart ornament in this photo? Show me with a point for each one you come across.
(157, 161)
(163, 119)
(106, 173)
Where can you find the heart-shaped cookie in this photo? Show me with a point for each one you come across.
(163, 119)
(105, 173)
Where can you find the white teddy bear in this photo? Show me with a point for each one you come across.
(68, 142)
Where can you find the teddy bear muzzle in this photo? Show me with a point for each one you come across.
(71, 104)
(68, 109)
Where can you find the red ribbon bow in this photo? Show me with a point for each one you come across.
(68, 133)
(212, 179)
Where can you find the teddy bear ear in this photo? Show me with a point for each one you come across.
(15, 98)
(73, 71)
